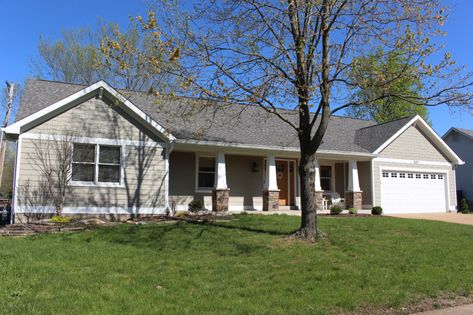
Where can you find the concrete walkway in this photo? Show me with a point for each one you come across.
(459, 218)
(466, 309)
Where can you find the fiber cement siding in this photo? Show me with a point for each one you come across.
(144, 166)
(96, 118)
(412, 144)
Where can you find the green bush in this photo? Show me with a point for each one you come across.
(195, 205)
(353, 211)
(335, 210)
(464, 206)
(377, 210)
(60, 219)
(180, 214)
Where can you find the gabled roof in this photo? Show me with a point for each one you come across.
(190, 120)
(67, 99)
(372, 137)
(466, 132)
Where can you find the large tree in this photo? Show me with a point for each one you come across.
(378, 74)
(297, 54)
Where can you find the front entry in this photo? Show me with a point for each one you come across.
(285, 179)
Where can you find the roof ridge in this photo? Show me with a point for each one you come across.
(388, 122)
(187, 97)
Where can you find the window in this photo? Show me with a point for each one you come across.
(440, 176)
(394, 175)
(385, 174)
(418, 176)
(88, 166)
(83, 162)
(402, 175)
(206, 172)
(326, 177)
(426, 176)
(410, 175)
(432, 176)
(109, 164)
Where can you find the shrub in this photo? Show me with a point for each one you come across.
(335, 210)
(60, 219)
(377, 210)
(353, 211)
(464, 206)
(180, 214)
(195, 205)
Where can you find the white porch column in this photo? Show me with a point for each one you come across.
(353, 181)
(220, 193)
(271, 182)
(318, 187)
(221, 172)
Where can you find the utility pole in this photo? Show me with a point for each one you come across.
(3, 143)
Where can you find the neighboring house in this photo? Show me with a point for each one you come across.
(461, 141)
(136, 153)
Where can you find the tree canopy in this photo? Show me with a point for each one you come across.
(378, 74)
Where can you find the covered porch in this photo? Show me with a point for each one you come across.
(235, 181)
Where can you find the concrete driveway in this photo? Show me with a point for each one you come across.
(458, 310)
(459, 218)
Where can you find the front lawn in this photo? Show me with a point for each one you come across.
(245, 266)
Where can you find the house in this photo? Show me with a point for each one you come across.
(461, 141)
(136, 153)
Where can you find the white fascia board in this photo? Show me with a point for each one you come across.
(430, 133)
(56, 107)
(259, 149)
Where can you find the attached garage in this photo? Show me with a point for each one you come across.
(413, 192)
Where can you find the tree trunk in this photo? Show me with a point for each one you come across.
(309, 228)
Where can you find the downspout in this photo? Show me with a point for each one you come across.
(169, 149)
(16, 172)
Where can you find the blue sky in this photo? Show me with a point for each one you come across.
(23, 21)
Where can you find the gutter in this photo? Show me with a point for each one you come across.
(259, 148)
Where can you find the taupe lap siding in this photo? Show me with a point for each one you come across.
(144, 182)
(412, 144)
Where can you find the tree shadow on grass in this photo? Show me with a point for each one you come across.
(216, 237)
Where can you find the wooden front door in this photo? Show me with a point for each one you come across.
(282, 174)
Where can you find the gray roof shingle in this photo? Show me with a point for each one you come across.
(188, 118)
(372, 137)
(465, 131)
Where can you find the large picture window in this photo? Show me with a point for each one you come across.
(206, 172)
(96, 163)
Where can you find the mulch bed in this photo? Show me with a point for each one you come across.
(40, 228)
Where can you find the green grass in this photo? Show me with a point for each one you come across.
(245, 266)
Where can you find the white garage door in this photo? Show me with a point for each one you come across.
(408, 192)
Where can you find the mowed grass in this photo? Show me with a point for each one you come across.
(245, 266)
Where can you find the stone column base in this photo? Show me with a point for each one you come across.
(353, 199)
(270, 200)
(319, 200)
(220, 199)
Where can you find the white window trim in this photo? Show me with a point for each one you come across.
(96, 182)
(198, 189)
